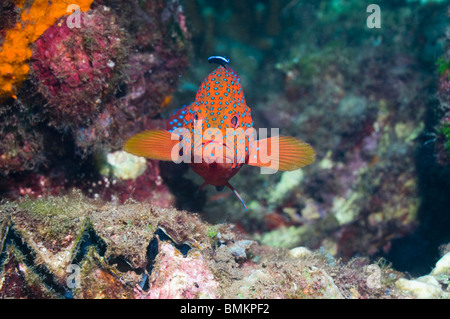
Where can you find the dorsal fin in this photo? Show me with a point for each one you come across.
(176, 120)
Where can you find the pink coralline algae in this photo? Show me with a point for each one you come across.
(177, 277)
(98, 81)
(88, 90)
(74, 68)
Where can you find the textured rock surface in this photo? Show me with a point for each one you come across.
(74, 247)
(91, 87)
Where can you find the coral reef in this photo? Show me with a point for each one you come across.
(22, 147)
(76, 68)
(16, 51)
(362, 99)
(74, 247)
(122, 72)
(374, 104)
(443, 129)
(88, 90)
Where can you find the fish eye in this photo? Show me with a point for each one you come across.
(195, 117)
(234, 121)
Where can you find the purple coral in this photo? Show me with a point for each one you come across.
(99, 80)
(74, 68)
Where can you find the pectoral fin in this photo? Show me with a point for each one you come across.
(284, 153)
(155, 144)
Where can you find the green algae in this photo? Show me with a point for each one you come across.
(53, 218)
(444, 130)
(443, 65)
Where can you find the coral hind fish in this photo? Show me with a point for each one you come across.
(196, 133)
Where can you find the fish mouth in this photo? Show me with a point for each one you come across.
(214, 142)
(226, 158)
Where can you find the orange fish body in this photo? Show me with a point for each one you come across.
(210, 134)
(219, 104)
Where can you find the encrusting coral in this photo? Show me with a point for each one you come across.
(139, 250)
(75, 68)
(87, 90)
(16, 51)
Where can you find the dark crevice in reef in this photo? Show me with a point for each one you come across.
(185, 190)
(418, 252)
(65, 165)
